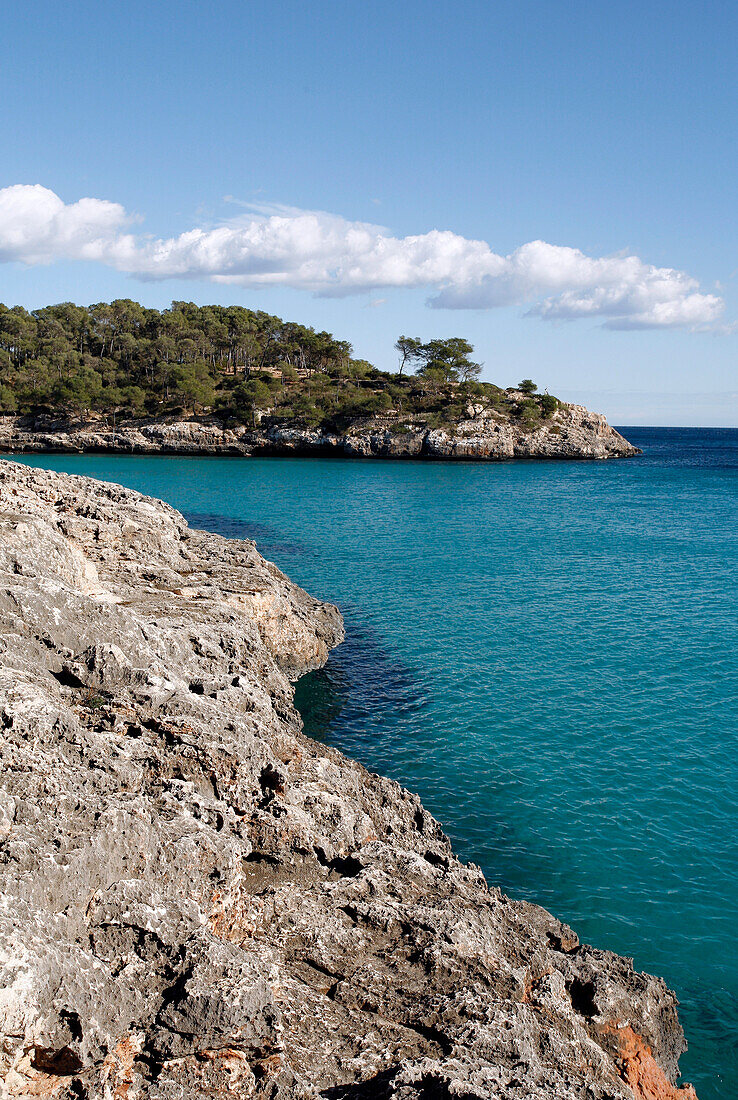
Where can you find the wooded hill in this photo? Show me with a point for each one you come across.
(122, 359)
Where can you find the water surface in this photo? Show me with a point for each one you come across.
(545, 651)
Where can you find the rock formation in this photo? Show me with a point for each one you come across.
(198, 901)
(572, 432)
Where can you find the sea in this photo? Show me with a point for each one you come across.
(546, 652)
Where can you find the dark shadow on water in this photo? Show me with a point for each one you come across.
(319, 699)
(269, 539)
(379, 710)
(361, 696)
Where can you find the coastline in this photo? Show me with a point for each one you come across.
(282, 864)
(572, 433)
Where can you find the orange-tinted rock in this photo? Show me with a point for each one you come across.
(642, 1073)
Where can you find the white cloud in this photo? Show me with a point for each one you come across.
(565, 284)
(328, 255)
(36, 227)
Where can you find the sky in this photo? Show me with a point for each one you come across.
(556, 183)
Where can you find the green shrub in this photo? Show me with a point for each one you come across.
(528, 410)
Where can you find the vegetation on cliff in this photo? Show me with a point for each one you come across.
(121, 359)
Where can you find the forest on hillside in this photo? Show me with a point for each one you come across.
(125, 360)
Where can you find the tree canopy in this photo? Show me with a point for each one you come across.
(124, 359)
(439, 360)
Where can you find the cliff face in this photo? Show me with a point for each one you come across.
(198, 901)
(572, 432)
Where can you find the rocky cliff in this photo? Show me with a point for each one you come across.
(572, 432)
(198, 901)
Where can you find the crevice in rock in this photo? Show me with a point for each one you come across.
(323, 969)
(67, 678)
(376, 1088)
(343, 866)
(73, 1022)
(433, 1035)
(263, 857)
(582, 996)
(271, 781)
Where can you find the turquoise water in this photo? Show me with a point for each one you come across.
(545, 651)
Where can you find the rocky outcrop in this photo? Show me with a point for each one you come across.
(198, 901)
(572, 432)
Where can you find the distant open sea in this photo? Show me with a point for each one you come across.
(546, 652)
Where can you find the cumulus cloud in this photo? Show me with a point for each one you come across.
(329, 255)
(565, 284)
(37, 227)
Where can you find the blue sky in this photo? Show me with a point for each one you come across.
(247, 152)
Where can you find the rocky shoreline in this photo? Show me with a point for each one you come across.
(199, 901)
(572, 432)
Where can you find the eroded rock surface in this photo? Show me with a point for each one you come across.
(572, 432)
(198, 901)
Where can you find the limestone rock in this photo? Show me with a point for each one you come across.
(198, 901)
(572, 432)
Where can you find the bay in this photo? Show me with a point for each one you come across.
(545, 651)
